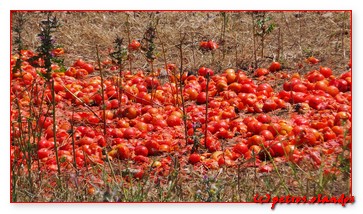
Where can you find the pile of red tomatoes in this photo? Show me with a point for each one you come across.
(310, 117)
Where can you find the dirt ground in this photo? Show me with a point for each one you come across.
(296, 36)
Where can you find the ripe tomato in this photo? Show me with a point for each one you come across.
(88, 67)
(240, 148)
(275, 66)
(256, 140)
(315, 76)
(131, 112)
(141, 159)
(327, 72)
(129, 133)
(261, 72)
(45, 122)
(321, 85)
(315, 102)
(212, 45)
(230, 75)
(222, 85)
(332, 90)
(160, 123)
(312, 60)
(44, 143)
(269, 105)
(141, 126)
(141, 150)
(203, 71)
(123, 151)
(277, 149)
(174, 121)
(202, 98)
(192, 92)
(164, 148)
(300, 88)
(153, 147)
(250, 99)
(134, 45)
(264, 118)
(43, 153)
(194, 158)
(267, 135)
(93, 119)
(265, 87)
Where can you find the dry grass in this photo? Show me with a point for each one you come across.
(302, 34)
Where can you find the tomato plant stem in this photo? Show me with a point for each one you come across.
(206, 111)
(73, 141)
(104, 111)
(181, 87)
(55, 128)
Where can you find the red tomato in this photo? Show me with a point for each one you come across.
(277, 149)
(212, 45)
(153, 147)
(202, 98)
(194, 158)
(265, 87)
(236, 87)
(43, 153)
(131, 112)
(134, 45)
(88, 67)
(315, 76)
(250, 99)
(264, 118)
(141, 150)
(312, 60)
(79, 63)
(129, 133)
(45, 122)
(192, 92)
(321, 85)
(160, 123)
(275, 66)
(267, 135)
(240, 148)
(222, 85)
(315, 102)
(327, 72)
(332, 90)
(123, 151)
(300, 88)
(174, 121)
(261, 72)
(269, 105)
(256, 140)
(203, 71)
(212, 144)
(203, 45)
(230, 75)
(93, 119)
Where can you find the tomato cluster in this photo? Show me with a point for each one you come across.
(208, 45)
(309, 117)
